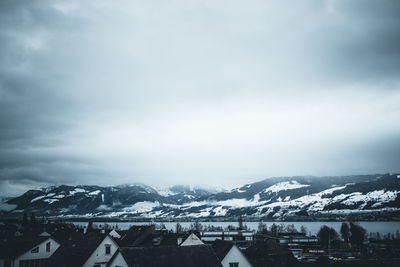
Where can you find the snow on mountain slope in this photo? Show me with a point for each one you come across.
(165, 192)
(143, 206)
(284, 186)
(287, 197)
(378, 195)
(37, 198)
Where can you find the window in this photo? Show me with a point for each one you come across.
(48, 246)
(35, 250)
(108, 249)
(234, 264)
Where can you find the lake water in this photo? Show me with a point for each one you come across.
(312, 227)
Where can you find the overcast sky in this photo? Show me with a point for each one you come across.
(208, 93)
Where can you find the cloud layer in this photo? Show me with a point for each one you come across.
(196, 92)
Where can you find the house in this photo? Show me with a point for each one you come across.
(298, 240)
(300, 245)
(238, 236)
(166, 256)
(27, 251)
(192, 240)
(90, 250)
(229, 254)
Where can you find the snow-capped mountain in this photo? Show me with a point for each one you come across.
(364, 196)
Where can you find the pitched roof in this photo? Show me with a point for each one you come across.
(192, 240)
(174, 256)
(65, 236)
(221, 248)
(75, 252)
(268, 253)
(19, 245)
(135, 235)
(161, 239)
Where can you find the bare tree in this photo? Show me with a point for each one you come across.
(357, 234)
(345, 232)
(303, 229)
(326, 235)
(262, 227)
(178, 228)
(274, 229)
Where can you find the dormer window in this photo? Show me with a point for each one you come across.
(108, 249)
(48, 246)
(35, 250)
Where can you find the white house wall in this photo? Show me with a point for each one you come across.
(42, 254)
(99, 254)
(235, 255)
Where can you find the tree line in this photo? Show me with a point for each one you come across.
(350, 233)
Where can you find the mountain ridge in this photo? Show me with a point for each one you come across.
(374, 196)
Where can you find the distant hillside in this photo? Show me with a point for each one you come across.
(286, 198)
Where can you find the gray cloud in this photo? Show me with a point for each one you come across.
(196, 92)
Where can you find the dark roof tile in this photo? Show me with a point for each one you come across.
(221, 248)
(174, 256)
